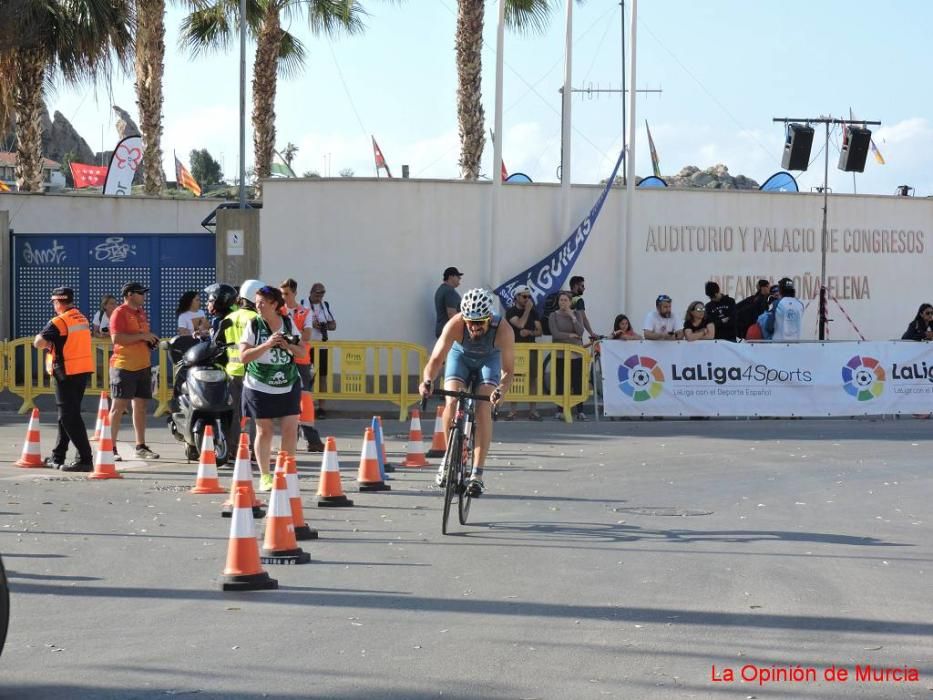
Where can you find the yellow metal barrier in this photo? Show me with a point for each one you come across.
(536, 375)
(370, 370)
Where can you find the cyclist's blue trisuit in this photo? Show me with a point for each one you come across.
(481, 357)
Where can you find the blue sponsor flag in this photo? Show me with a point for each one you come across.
(547, 276)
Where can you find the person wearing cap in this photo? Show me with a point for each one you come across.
(322, 324)
(301, 317)
(524, 320)
(70, 362)
(751, 307)
(788, 313)
(660, 324)
(446, 299)
(131, 366)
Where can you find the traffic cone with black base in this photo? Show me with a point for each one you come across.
(415, 455)
(438, 441)
(330, 489)
(306, 415)
(369, 477)
(302, 531)
(103, 409)
(243, 478)
(207, 481)
(104, 466)
(279, 545)
(243, 571)
(381, 447)
(31, 456)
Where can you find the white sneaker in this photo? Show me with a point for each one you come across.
(440, 478)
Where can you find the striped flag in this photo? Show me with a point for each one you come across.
(185, 179)
(655, 163)
(379, 158)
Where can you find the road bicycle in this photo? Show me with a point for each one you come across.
(458, 459)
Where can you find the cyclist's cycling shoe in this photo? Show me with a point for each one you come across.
(475, 487)
(440, 478)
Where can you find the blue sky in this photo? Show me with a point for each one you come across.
(726, 67)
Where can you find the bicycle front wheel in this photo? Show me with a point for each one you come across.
(451, 473)
(463, 506)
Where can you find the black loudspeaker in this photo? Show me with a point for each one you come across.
(797, 147)
(853, 154)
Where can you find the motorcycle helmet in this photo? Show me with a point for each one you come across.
(249, 288)
(222, 296)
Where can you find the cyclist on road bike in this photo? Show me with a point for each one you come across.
(479, 349)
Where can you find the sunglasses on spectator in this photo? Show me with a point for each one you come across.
(698, 307)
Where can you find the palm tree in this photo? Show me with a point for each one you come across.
(75, 40)
(212, 25)
(150, 54)
(522, 15)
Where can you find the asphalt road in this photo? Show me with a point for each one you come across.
(611, 559)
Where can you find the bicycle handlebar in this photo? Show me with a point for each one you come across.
(455, 394)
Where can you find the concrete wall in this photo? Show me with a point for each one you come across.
(380, 247)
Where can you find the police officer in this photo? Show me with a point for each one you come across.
(70, 362)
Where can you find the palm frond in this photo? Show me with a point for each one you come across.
(331, 17)
(529, 16)
(291, 55)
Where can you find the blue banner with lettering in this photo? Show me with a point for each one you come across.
(547, 276)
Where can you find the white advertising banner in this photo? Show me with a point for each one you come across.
(717, 378)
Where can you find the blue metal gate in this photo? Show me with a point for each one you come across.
(99, 264)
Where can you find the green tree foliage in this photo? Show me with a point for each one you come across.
(205, 169)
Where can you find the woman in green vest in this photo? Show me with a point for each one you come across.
(271, 388)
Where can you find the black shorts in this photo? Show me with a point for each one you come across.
(131, 383)
(259, 404)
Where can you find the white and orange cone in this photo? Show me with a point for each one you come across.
(242, 478)
(439, 440)
(104, 466)
(415, 455)
(243, 571)
(306, 415)
(302, 530)
(103, 409)
(330, 489)
(280, 545)
(368, 476)
(207, 481)
(32, 449)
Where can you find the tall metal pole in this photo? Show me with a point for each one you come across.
(565, 127)
(242, 104)
(622, 3)
(824, 237)
(625, 263)
(491, 267)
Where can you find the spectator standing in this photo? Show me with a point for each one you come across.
(69, 361)
(660, 324)
(323, 324)
(191, 319)
(921, 328)
(697, 326)
(750, 308)
(301, 318)
(100, 324)
(622, 329)
(566, 327)
(272, 386)
(446, 299)
(788, 313)
(720, 309)
(524, 320)
(131, 366)
(577, 287)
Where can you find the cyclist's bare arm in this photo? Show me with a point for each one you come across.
(453, 329)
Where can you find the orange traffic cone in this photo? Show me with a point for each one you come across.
(415, 455)
(329, 489)
(306, 417)
(302, 531)
(280, 545)
(104, 466)
(439, 441)
(32, 450)
(369, 477)
(103, 409)
(207, 481)
(242, 478)
(381, 443)
(243, 571)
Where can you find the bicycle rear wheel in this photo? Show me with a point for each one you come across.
(451, 473)
(463, 506)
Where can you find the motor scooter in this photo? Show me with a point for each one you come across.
(201, 395)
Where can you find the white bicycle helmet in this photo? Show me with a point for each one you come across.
(249, 288)
(477, 304)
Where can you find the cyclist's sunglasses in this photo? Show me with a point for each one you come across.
(478, 322)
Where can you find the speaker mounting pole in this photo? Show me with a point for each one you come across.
(844, 164)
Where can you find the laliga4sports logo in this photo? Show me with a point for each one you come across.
(641, 378)
(863, 378)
